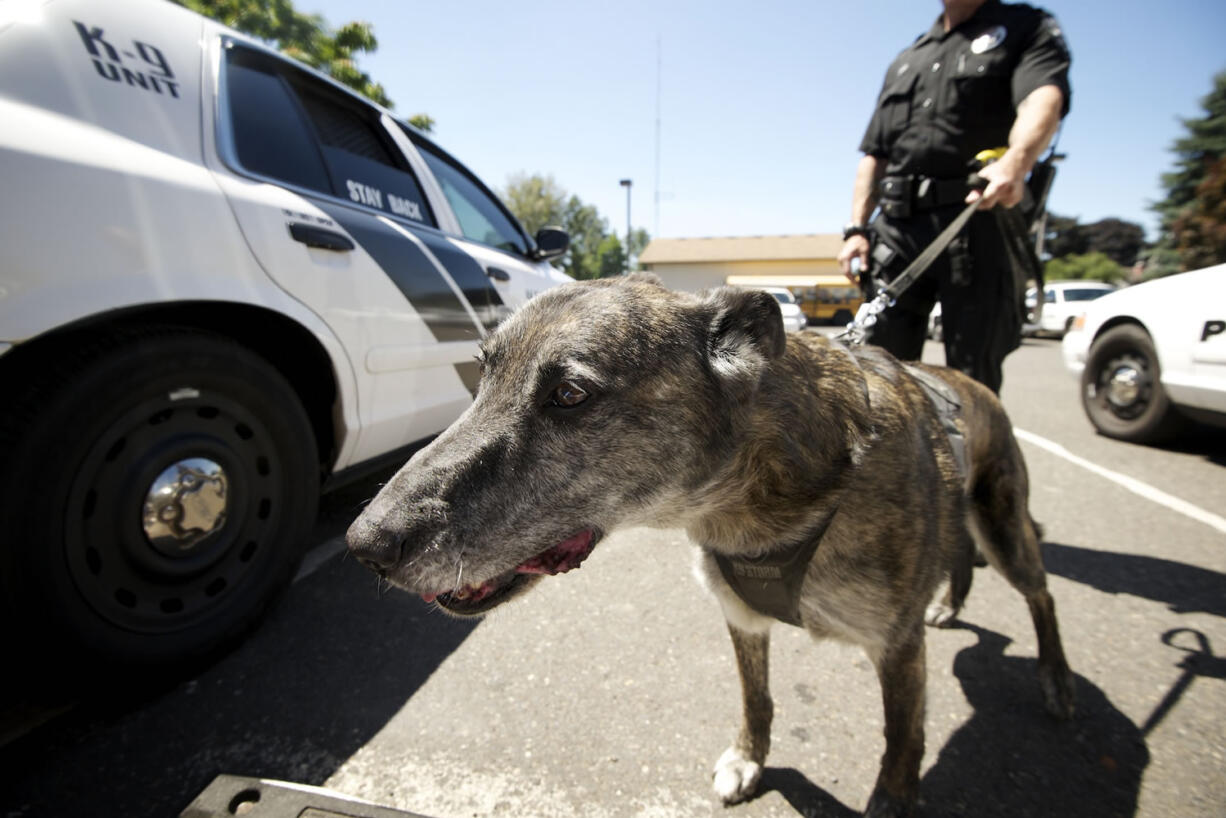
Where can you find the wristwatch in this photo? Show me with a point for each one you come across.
(854, 229)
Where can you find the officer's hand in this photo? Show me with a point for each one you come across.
(854, 247)
(1006, 185)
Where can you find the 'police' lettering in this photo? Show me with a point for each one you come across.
(1213, 328)
(365, 194)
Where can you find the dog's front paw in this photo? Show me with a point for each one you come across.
(736, 777)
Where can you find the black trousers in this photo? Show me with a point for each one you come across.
(980, 292)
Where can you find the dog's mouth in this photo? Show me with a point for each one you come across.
(472, 600)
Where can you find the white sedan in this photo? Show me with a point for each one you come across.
(1153, 354)
(794, 319)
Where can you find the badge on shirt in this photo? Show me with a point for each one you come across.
(989, 39)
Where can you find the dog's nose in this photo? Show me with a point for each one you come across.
(381, 536)
(374, 545)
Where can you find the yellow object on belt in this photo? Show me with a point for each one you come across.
(990, 155)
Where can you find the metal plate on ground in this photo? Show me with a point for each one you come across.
(231, 795)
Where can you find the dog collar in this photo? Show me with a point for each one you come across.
(770, 583)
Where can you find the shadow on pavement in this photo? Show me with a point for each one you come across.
(1201, 439)
(1010, 758)
(808, 799)
(323, 674)
(1183, 588)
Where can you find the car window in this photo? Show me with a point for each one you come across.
(271, 137)
(1084, 294)
(480, 215)
(342, 151)
(1049, 296)
(782, 297)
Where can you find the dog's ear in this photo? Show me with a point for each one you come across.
(745, 334)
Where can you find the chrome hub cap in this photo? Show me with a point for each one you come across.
(1124, 386)
(185, 504)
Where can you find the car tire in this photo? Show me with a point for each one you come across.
(1121, 388)
(161, 485)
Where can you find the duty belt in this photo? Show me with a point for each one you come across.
(900, 195)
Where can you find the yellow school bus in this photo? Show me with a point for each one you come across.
(826, 299)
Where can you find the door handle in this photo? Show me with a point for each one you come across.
(497, 274)
(313, 236)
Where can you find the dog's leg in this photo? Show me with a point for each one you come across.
(903, 674)
(740, 767)
(1055, 677)
(1010, 537)
(941, 614)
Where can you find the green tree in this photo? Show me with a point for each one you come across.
(1094, 266)
(587, 229)
(1200, 229)
(308, 39)
(1063, 237)
(537, 201)
(1120, 240)
(639, 239)
(1196, 153)
(611, 257)
(595, 250)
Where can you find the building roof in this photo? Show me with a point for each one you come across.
(742, 248)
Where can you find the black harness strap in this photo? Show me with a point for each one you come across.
(770, 584)
(945, 400)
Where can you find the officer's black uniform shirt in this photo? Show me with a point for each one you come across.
(951, 95)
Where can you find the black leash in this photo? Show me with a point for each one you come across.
(866, 316)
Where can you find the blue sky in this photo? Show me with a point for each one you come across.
(761, 105)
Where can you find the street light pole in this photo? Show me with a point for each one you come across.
(626, 183)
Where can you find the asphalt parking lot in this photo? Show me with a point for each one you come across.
(611, 690)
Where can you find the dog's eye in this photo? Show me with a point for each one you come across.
(568, 394)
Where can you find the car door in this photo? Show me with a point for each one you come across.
(337, 218)
(485, 229)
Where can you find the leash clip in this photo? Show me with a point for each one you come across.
(866, 316)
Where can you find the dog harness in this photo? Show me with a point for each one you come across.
(770, 584)
(948, 408)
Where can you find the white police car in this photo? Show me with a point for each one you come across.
(227, 283)
(1152, 354)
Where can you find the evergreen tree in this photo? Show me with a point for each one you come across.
(1186, 223)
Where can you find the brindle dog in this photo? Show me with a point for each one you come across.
(619, 403)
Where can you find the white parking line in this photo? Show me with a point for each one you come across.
(1135, 486)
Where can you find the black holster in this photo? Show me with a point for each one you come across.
(885, 263)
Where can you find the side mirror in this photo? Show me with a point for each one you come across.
(551, 242)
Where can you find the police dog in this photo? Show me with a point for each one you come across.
(621, 403)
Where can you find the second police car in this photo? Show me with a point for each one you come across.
(228, 282)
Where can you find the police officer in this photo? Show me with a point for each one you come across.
(986, 75)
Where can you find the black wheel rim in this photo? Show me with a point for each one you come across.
(136, 584)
